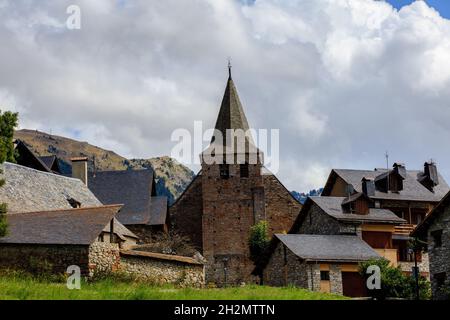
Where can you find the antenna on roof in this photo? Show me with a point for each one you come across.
(229, 67)
(387, 168)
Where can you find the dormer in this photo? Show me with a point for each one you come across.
(357, 203)
(429, 178)
(392, 180)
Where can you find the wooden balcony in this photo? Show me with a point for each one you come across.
(404, 229)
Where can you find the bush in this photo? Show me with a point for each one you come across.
(259, 240)
(3, 223)
(394, 283)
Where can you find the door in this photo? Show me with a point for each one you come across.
(353, 285)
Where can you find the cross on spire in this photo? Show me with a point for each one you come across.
(229, 67)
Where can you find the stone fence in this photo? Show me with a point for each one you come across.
(163, 268)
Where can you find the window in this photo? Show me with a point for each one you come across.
(101, 238)
(224, 171)
(440, 279)
(325, 275)
(244, 170)
(437, 238)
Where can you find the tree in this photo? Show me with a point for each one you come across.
(259, 240)
(394, 283)
(8, 122)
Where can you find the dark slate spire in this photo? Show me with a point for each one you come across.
(231, 114)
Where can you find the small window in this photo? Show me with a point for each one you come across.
(325, 275)
(224, 171)
(437, 238)
(101, 238)
(440, 279)
(244, 170)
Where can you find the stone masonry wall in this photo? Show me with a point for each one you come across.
(44, 258)
(318, 222)
(164, 271)
(186, 213)
(440, 256)
(103, 257)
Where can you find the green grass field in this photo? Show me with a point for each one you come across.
(17, 288)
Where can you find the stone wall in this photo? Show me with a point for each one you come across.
(440, 256)
(318, 222)
(149, 267)
(423, 265)
(285, 268)
(103, 257)
(44, 258)
(186, 213)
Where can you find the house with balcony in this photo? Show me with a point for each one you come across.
(410, 194)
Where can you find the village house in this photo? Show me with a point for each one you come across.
(435, 230)
(51, 241)
(326, 263)
(353, 220)
(410, 194)
(225, 200)
(143, 212)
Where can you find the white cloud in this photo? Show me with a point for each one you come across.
(344, 80)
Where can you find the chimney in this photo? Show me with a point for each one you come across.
(368, 187)
(400, 169)
(80, 169)
(431, 173)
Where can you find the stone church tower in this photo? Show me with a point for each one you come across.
(228, 197)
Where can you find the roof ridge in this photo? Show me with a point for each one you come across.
(68, 210)
(39, 171)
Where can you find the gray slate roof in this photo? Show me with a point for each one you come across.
(29, 190)
(132, 188)
(328, 248)
(156, 215)
(60, 227)
(413, 190)
(333, 207)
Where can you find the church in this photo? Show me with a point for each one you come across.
(224, 200)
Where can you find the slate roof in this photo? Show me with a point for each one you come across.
(328, 248)
(30, 190)
(59, 227)
(422, 229)
(333, 207)
(133, 188)
(156, 215)
(413, 190)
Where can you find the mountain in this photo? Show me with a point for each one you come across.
(171, 176)
(301, 197)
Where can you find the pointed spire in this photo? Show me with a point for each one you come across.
(231, 114)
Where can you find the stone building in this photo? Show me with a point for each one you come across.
(143, 212)
(327, 263)
(51, 241)
(28, 190)
(352, 218)
(410, 194)
(229, 196)
(435, 230)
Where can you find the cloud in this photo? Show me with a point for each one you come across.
(343, 80)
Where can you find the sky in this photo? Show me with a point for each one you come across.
(343, 80)
(443, 6)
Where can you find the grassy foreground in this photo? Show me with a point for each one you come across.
(12, 288)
